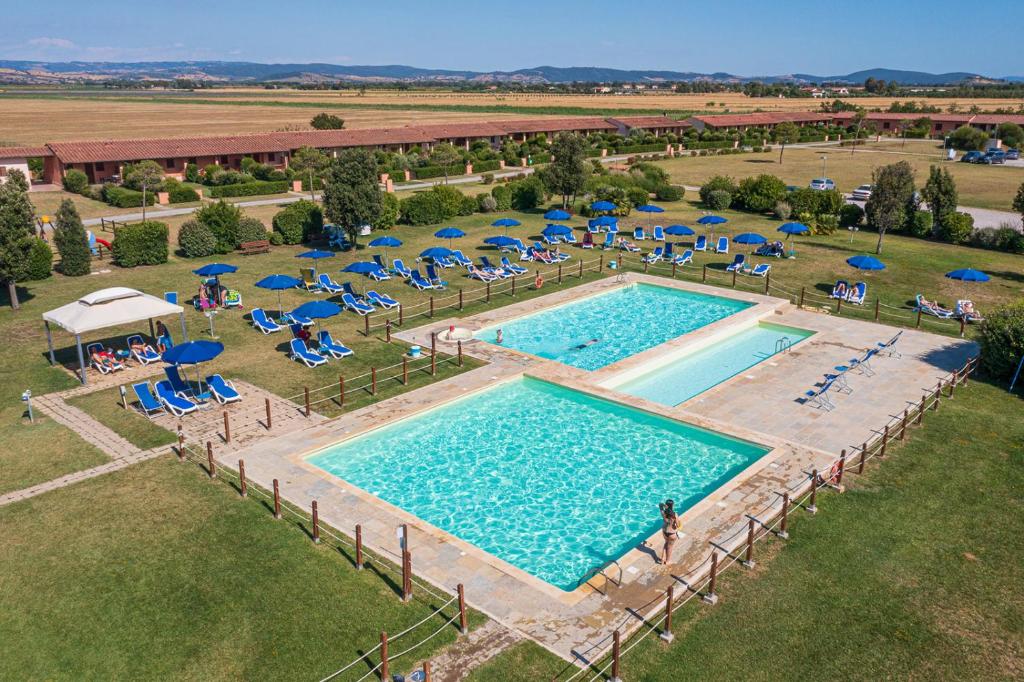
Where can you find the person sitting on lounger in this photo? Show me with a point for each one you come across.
(840, 290)
(104, 359)
(302, 334)
(966, 310)
(139, 347)
(933, 307)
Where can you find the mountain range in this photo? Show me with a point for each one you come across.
(241, 72)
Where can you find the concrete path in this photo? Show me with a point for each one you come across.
(456, 662)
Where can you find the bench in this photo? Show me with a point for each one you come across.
(249, 248)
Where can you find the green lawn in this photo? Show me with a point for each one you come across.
(913, 573)
(33, 453)
(105, 406)
(155, 572)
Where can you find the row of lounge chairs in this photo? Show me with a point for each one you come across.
(176, 397)
(327, 348)
(136, 347)
(851, 294)
(964, 310)
(836, 381)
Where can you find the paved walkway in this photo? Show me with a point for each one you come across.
(457, 661)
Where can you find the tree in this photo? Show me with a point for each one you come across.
(568, 172)
(1011, 134)
(785, 133)
(1018, 201)
(71, 241)
(145, 174)
(351, 191)
(16, 232)
(967, 138)
(891, 205)
(325, 121)
(311, 162)
(940, 193)
(446, 156)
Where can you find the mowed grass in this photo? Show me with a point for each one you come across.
(978, 185)
(155, 572)
(913, 573)
(106, 407)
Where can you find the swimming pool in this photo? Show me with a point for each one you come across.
(624, 322)
(551, 480)
(677, 382)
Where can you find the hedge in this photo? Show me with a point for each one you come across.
(714, 144)
(181, 194)
(486, 166)
(298, 222)
(250, 189)
(428, 172)
(123, 197)
(196, 240)
(140, 244)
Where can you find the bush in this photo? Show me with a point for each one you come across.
(422, 208)
(250, 189)
(830, 201)
(192, 173)
(637, 196)
(196, 240)
(719, 183)
(449, 200)
(783, 210)
(299, 222)
(251, 230)
(956, 228)
(125, 198)
(468, 206)
(851, 215)
(75, 181)
(388, 215)
(503, 196)
(921, 225)
(668, 193)
(178, 193)
(71, 241)
(718, 200)
(528, 194)
(1002, 340)
(40, 261)
(487, 178)
(222, 218)
(761, 193)
(826, 223)
(1004, 238)
(276, 239)
(486, 203)
(140, 244)
(484, 166)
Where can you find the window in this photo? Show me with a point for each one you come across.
(223, 160)
(99, 165)
(3, 171)
(886, 125)
(169, 163)
(193, 162)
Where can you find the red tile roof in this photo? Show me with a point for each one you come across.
(554, 125)
(23, 152)
(649, 122)
(997, 118)
(762, 119)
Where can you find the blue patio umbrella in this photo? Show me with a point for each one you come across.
(790, 229)
(385, 242)
(678, 230)
(316, 310)
(603, 221)
(865, 262)
(650, 209)
(603, 206)
(278, 283)
(501, 241)
(506, 223)
(556, 230)
(435, 252)
(215, 269)
(316, 254)
(361, 267)
(449, 233)
(749, 238)
(193, 353)
(968, 275)
(557, 214)
(712, 220)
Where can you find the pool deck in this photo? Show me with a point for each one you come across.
(762, 404)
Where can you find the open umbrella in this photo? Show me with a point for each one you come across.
(865, 262)
(603, 206)
(215, 269)
(435, 252)
(385, 242)
(316, 254)
(501, 241)
(449, 233)
(749, 238)
(553, 230)
(712, 220)
(193, 353)
(604, 221)
(278, 283)
(968, 275)
(506, 223)
(790, 229)
(650, 209)
(678, 230)
(361, 267)
(317, 310)
(557, 214)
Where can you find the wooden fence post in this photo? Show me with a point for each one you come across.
(460, 300)
(487, 296)
(181, 445)
(704, 273)
(646, 264)
(938, 395)
(513, 292)
(711, 597)
(801, 304)
(842, 468)
(863, 457)
(767, 282)
(359, 547)
(952, 383)
(405, 562)
(581, 268)
(783, 532)
(227, 428)
(373, 381)
(242, 489)
(600, 264)
(316, 524)
(426, 671)
(885, 441)
(748, 558)
(733, 279)
(812, 505)
(839, 306)
(673, 268)
(877, 305)
(366, 325)
(405, 370)
(459, 346)
(917, 325)
(266, 402)
(277, 500)
(903, 428)
(387, 326)
(211, 466)
(341, 391)
(463, 625)
(666, 632)
(305, 392)
(616, 653)
(962, 321)
(385, 672)
(559, 273)
(401, 315)
(920, 411)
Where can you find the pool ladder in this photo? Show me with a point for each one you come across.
(783, 345)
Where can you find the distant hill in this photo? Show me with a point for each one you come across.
(240, 72)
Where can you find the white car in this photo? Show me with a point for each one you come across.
(862, 193)
(823, 183)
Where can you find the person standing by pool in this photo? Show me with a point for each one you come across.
(500, 336)
(669, 528)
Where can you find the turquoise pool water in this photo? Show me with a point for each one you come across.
(624, 322)
(679, 381)
(551, 480)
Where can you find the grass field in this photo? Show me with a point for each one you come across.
(913, 573)
(106, 407)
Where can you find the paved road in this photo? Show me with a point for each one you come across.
(983, 217)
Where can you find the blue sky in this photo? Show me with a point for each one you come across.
(743, 37)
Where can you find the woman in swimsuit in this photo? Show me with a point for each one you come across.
(669, 528)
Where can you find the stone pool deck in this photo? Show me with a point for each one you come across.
(763, 404)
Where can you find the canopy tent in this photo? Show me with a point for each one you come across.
(107, 308)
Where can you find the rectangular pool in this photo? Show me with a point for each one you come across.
(551, 480)
(597, 331)
(677, 382)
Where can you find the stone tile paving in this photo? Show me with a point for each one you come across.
(481, 645)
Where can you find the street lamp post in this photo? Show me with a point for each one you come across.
(824, 160)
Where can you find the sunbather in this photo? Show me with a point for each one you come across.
(627, 245)
(965, 309)
(105, 359)
(932, 307)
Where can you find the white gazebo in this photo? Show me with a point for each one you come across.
(107, 308)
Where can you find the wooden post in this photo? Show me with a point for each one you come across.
(426, 671)
(463, 626)
(812, 505)
(962, 326)
(211, 466)
(903, 428)
(877, 311)
(387, 326)
(460, 299)
(600, 264)
(341, 391)
(227, 428)
(401, 315)
(839, 306)
(885, 441)
(917, 325)
(431, 306)
(952, 384)
(366, 325)
(277, 500)
(305, 392)
(704, 273)
(645, 265)
(241, 479)
(373, 381)
(802, 290)
(711, 597)
(513, 286)
(673, 268)
(266, 402)
(433, 353)
(733, 279)
(783, 532)
(385, 673)
(581, 268)
(559, 273)
(938, 395)
(181, 446)
(863, 457)
(407, 572)
(459, 346)
(359, 547)
(405, 370)
(405, 562)
(316, 524)
(487, 296)
(666, 631)
(842, 468)
(767, 282)
(920, 411)
(748, 557)
(616, 652)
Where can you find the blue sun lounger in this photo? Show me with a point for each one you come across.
(761, 270)
(380, 262)
(723, 245)
(861, 364)
(329, 345)
(146, 355)
(857, 293)
(840, 290)
(738, 261)
(383, 300)
(416, 279)
(378, 275)
(460, 258)
(263, 323)
(514, 268)
(400, 268)
(148, 404)
(175, 403)
(115, 364)
(654, 256)
(685, 257)
(701, 244)
(639, 234)
(292, 318)
(177, 383)
(609, 240)
(304, 355)
(491, 269)
(352, 304)
(659, 233)
(346, 288)
(327, 284)
(432, 277)
(223, 390)
(818, 397)
(888, 346)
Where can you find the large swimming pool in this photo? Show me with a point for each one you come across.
(551, 480)
(606, 328)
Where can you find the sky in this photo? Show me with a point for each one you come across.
(750, 38)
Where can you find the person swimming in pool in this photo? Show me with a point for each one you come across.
(500, 336)
(588, 343)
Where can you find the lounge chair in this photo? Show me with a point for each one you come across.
(966, 312)
(659, 233)
(171, 297)
(609, 240)
(639, 234)
(380, 262)
(304, 355)
(114, 365)
(400, 269)
(232, 298)
(416, 279)
(308, 277)
(738, 261)
(327, 284)
(552, 240)
(570, 238)
(760, 270)
(148, 404)
(222, 389)
(378, 275)
(518, 245)
(346, 288)
(329, 345)
(857, 293)
(654, 256)
(685, 257)
(552, 256)
(628, 246)
(888, 347)
(146, 355)
(840, 290)
(861, 364)
(175, 403)
(383, 300)
(669, 255)
(481, 274)
(514, 268)
(723, 245)
(491, 269)
(588, 240)
(433, 277)
(592, 228)
(177, 383)
(932, 308)
(352, 304)
(701, 244)
(293, 319)
(840, 382)
(460, 259)
(261, 321)
(818, 397)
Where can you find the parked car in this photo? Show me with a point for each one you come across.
(862, 193)
(1012, 154)
(823, 183)
(994, 156)
(972, 157)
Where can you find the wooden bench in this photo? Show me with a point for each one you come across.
(249, 248)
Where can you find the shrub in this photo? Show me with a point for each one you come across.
(422, 208)
(388, 215)
(125, 198)
(826, 223)
(668, 192)
(830, 201)
(761, 193)
(487, 178)
(503, 196)
(71, 241)
(140, 244)
(486, 203)
(485, 166)
(178, 193)
(1002, 340)
(783, 210)
(40, 261)
(528, 194)
(250, 189)
(251, 230)
(222, 218)
(468, 206)
(956, 228)
(851, 215)
(921, 225)
(276, 239)
(718, 200)
(192, 173)
(75, 181)
(449, 200)
(300, 221)
(719, 183)
(196, 240)
(637, 196)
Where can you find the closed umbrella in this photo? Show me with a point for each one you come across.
(278, 283)
(557, 214)
(385, 242)
(449, 233)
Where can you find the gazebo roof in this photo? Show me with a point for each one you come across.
(109, 308)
